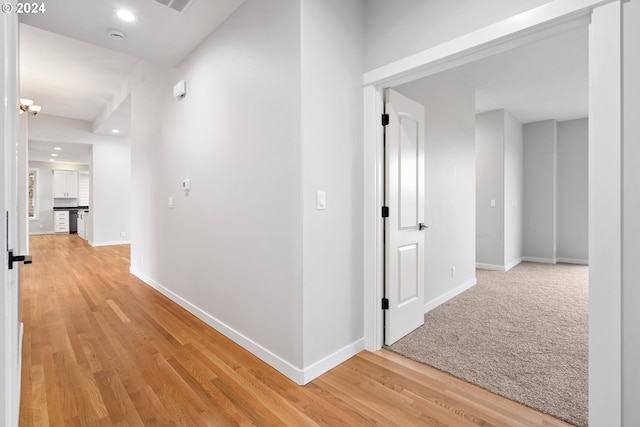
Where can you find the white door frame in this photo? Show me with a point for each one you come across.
(551, 18)
(605, 334)
(10, 328)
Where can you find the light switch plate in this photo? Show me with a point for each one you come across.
(170, 202)
(321, 200)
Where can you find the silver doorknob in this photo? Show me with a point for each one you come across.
(422, 226)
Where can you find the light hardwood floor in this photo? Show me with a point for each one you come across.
(101, 348)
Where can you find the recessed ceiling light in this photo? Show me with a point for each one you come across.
(52, 160)
(126, 15)
(54, 155)
(116, 131)
(57, 148)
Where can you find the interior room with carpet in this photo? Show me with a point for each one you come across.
(241, 207)
(524, 112)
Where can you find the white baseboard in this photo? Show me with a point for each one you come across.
(299, 376)
(37, 233)
(540, 260)
(512, 264)
(115, 242)
(573, 261)
(447, 296)
(493, 267)
(326, 364)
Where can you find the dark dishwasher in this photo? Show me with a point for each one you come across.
(73, 222)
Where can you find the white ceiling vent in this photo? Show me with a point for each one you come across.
(177, 5)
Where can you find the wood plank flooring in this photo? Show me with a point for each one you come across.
(101, 348)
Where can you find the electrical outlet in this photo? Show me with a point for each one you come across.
(122, 234)
(453, 271)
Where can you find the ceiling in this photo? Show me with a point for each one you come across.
(160, 33)
(41, 151)
(71, 67)
(547, 79)
(67, 77)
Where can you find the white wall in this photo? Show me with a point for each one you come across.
(631, 214)
(490, 232)
(231, 249)
(539, 218)
(573, 191)
(44, 223)
(513, 190)
(499, 177)
(110, 193)
(332, 162)
(268, 120)
(397, 29)
(110, 174)
(450, 175)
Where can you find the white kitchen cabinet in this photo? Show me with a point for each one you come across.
(61, 221)
(82, 227)
(65, 184)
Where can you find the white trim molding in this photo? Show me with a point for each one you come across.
(512, 264)
(540, 260)
(494, 267)
(373, 251)
(449, 295)
(573, 261)
(298, 375)
(112, 243)
(324, 365)
(551, 18)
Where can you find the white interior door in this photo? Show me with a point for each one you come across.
(9, 278)
(404, 227)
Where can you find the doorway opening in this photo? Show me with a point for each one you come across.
(429, 64)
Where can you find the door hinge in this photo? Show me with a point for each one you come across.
(385, 212)
(385, 304)
(385, 119)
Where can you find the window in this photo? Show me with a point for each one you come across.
(32, 186)
(83, 188)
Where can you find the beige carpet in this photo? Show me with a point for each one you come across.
(521, 334)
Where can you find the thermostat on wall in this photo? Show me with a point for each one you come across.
(180, 90)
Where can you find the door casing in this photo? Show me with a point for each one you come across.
(10, 326)
(549, 19)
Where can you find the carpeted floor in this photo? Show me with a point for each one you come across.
(521, 334)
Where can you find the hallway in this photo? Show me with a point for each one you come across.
(101, 348)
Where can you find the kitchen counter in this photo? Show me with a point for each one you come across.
(66, 219)
(71, 208)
